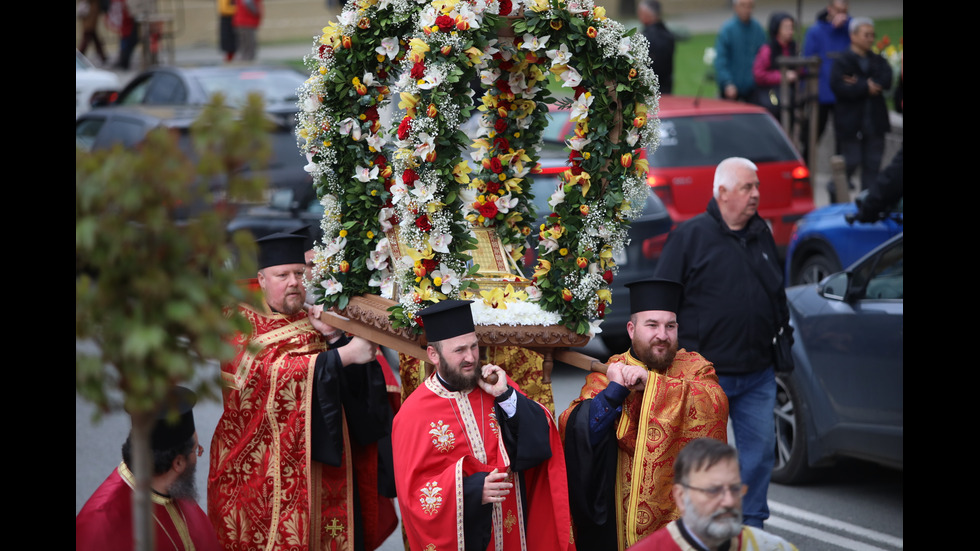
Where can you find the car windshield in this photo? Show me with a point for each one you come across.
(275, 86)
(706, 140)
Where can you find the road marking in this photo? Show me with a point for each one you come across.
(835, 524)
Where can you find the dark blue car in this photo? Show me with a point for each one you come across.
(845, 398)
(825, 241)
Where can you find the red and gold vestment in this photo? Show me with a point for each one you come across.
(446, 442)
(681, 404)
(105, 522)
(265, 489)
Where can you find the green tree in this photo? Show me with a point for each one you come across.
(154, 290)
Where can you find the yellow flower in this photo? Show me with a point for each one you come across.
(600, 12)
(563, 251)
(542, 268)
(604, 295)
(408, 103)
(494, 298)
(461, 172)
(539, 5)
(474, 54)
(417, 49)
(343, 233)
(642, 166)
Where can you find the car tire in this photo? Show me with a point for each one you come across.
(791, 465)
(815, 268)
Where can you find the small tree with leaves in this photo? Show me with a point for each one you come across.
(153, 291)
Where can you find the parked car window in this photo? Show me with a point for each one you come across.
(86, 132)
(707, 140)
(165, 89)
(275, 86)
(885, 276)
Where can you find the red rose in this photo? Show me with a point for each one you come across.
(500, 125)
(445, 23)
(404, 127)
(503, 86)
(501, 144)
(505, 7)
(579, 90)
(493, 187)
(422, 222)
(381, 161)
(488, 210)
(601, 310)
(495, 166)
(409, 177)
(506, 65)
(608, 277)
(429, 264)
(371, 113)
(418, 70)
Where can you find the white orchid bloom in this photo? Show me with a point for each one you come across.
(468, 196)
(347, 17)
(440, 242)
(533, 293)
(384, 217)
(517, 82)
(533, 43)
(570, 77)
(580, 107)
(365, 174)
(424, 192)
(471, 17)
(368, 80)
(560, 56)
(489, 76)
(632, 137)
(311, 103)
(445, 278)
(388, 47)
(350, 127)
(332, 286)
(578, 143)
(557, 198)
(335, 245)
(550, 245)
(377, 141)
(430, 80)
(505, 203)
(398, 191)
(426, 145)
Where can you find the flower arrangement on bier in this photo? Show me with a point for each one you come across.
(412, 177)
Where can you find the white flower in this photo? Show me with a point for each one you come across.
(384, 217)
(533, 293)
(570, 78)
(430, 80)
(440, 242)
(311, 103)
(580, 107)
(364, 174)
(427, 17)
(398, 191)
(577, 143)
(624, 47)
(425, 146)
(505, 203)
(445, 278)
(557, 198)
(489, 76)
(550, 245)
(332, 286)
(350, 127)
(347, 17)
(561, 56)
(533, 43)
(468, 196)
(388, 47)
(377, 141)
(368, 80)
(425, 191)
(632, 136)
(336, 245)
(467, 14)
(388, 287)
(517, 82)
(377, 260)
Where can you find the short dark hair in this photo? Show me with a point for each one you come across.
(700, 454)
(162, 459)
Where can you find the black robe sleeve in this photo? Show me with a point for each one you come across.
(525, 437)
(591, 482)
(358, 390)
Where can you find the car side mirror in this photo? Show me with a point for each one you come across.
(835, 286)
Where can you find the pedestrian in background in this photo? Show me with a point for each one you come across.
(248, 16)
(738, 41)
(827, 38)
(859, 80)
(768, 76)
(661, 43)
(226, 30)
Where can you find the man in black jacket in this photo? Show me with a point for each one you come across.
(733, 306)
(859, 79)
(661, 43)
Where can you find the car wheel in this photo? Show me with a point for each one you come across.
(791, 458)
(815, 268)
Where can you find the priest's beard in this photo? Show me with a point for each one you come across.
(711, 526)
(185, 487)
(652, 360)
(460, 381)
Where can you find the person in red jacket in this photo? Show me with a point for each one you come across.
(246, 21)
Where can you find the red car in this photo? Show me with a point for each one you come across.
(697, 134)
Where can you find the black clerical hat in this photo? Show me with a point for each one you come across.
(447, 319)
(169, 432)
(281, 248)
(655, 294)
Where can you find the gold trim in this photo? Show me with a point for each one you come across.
(171, 506)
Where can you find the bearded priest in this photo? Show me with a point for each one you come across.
(478, 465)
(625, 429)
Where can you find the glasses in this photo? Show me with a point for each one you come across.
(715, 492)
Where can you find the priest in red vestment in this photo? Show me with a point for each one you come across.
(105, 523)
(299, 457)
(478, 465)
(623, 432)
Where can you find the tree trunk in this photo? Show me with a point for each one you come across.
(142, 472)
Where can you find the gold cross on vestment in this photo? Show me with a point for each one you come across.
(334, 528)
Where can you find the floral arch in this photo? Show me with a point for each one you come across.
(400, 202)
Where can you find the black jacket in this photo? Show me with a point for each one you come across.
(854, 103)
(734, 300)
